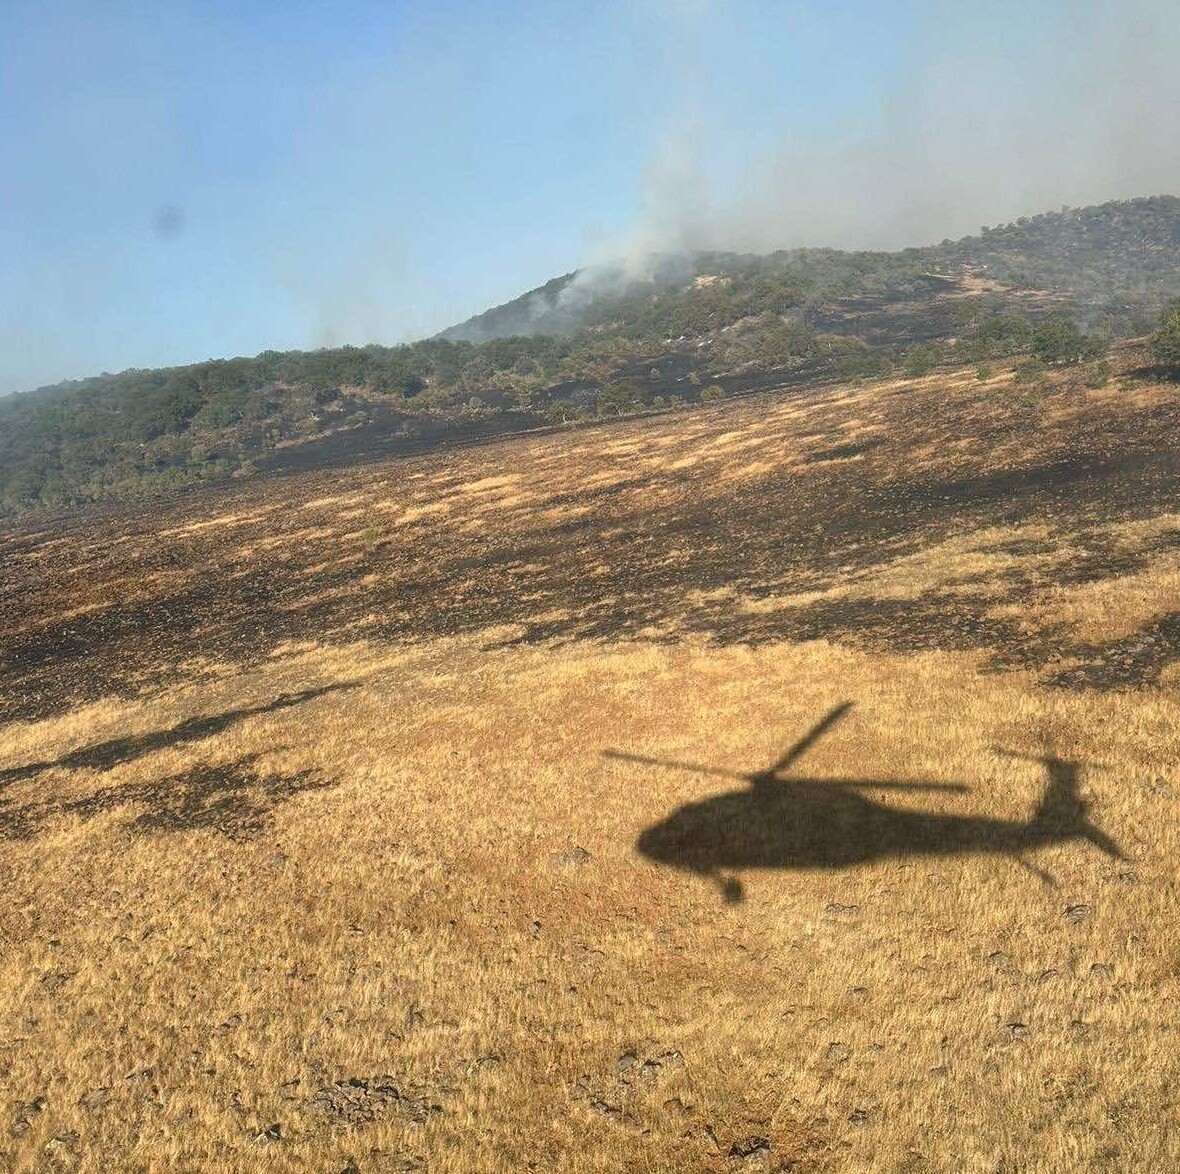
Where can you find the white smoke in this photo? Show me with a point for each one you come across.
(1008, 110)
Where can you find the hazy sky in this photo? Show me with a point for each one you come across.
(186, 180)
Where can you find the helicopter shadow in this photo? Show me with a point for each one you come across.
(780, 820)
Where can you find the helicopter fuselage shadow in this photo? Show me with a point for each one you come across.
(781, 821)
(806, 824)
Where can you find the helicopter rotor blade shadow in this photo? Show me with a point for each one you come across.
(673, 765)
(811, 737)
(886, 785)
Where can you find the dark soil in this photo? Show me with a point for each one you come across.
(123, 600)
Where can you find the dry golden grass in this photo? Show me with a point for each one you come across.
(258, 865)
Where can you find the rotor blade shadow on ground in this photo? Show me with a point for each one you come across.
(673, 765)
(811, 737)
(119, 750)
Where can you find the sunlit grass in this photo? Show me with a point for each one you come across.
(323, 853)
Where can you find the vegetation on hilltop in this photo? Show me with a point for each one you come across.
(583, 345)
(1165, 342)
(1121, 258)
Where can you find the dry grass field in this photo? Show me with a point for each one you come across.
(340, 825)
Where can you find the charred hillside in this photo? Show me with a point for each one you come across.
(1120, 258)
(606, 343)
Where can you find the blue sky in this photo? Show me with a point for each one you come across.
(181, 181)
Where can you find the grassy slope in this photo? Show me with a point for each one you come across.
(291, 778)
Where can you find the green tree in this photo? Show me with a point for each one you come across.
(617, 398)
(1058, 341)
(1029, 371)
(919, 361)
(1165, 342)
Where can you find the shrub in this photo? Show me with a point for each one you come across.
(919, 361)
(1058, 341)
(1165, 342)
(983, 372)
(1029, 371)
(1099, 374)
(713, 392)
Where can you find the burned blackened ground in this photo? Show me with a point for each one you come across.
(936, 514)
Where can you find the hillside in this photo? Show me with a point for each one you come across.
(419, 816)
(1119, 259)
(600, 344)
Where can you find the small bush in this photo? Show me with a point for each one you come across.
(1099, 374)
(713, 392)
(919, 361)
(1165, 342)
(1058, 341)
(983, 373)
(1029, 371)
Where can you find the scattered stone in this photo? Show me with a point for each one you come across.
(845, 913)
(750, 1147)
(288, 1091)
(1016, 1029)
(1076, 913)
(1046, 975)
(838, 1052)
(1102, 971)
(859, 993)
(677, 1107)
(572, 857)
(229, 1025)
(95, 1100)
(23, 1119)
(858, 1118)
(272, 1132)
(414, 1017)
(61, 1150)
(54, 980)
(355, 1102)
(615, 1113)
(627, 1061)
